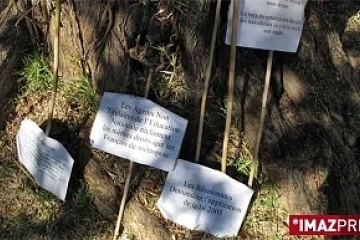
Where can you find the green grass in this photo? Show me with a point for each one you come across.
(37, 78)
(28, 211)
(171, 86)
(6, 171)
(266, 217)
(45, 216)
(243, 160)
(36, 75)
(78, 216)
(80, 92)
(44, 204)
(129, 235)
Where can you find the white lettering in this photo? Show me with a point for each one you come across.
(322, 226)
(309, 225)
(332, 225)
(341, 224)
(138, 129)
(352, 225)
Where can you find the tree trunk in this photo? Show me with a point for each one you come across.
(310, 144)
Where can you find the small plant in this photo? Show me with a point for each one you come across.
(36, 74)
(267, 217)
(171, 86)
(81, 93)
(216, 114)
(244, 160)
(129, 236)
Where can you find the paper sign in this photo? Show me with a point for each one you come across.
(139, 130)
(201, 198)
(269, 24)
(46, 159)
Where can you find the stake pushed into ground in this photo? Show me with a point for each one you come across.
(255, 161)
(131, 167)
(207, 81)
(235, 20)
(56, 67)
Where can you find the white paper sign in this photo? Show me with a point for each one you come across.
(269, 24)
(139, 130)
(45, 158)
(201, 198)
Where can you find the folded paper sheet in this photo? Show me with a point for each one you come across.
(139, 130)
(46, 159)
(269, 25)
(201, 198)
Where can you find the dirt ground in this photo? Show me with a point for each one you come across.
(310, 149)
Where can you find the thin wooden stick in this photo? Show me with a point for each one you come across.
(207, 80)
(235, 19)
(148, 84)
(56, 67)
(131, 167)
(255, 161)
(123, 201)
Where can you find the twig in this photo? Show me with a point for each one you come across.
(255, 161)
(235, 19)
(131, 167)
(207, 80)
(56, 66)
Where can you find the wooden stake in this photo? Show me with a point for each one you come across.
(56, 67)
(148, 84)
(207, 80)
(131, 167)
(123, 201)
(255, 162)
(235, 19)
